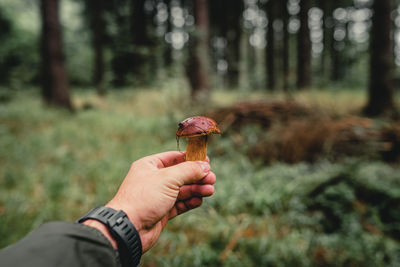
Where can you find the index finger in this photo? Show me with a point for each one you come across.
(171, 158)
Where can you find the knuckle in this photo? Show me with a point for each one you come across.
(194, 168)
(132, 165)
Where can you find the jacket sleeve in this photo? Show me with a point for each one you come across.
(61, 244)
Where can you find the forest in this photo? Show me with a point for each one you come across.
(304, 91)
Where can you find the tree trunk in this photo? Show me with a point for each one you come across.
(338, 58)
(225, 22)
(381, 68)
(270, 56)
(98, 27)
(304, 48)
(327, 27)
(233, 36)
(121, 42)
(198, 65)
(285, 54)
(142, 46)
(167, 53)
(251, 64)
(138, 23)
(54, 77)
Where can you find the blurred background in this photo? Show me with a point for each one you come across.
(305, 92)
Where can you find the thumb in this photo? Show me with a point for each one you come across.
(188, 172)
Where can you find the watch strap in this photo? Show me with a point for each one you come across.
(122, 229)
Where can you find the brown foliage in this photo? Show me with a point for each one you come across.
(293, 133)
(307, 139)
(261, 113)
(320, 256)
(391, 143)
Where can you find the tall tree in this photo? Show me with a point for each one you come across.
(270, 49)
(339, 59)
(226, 21)
(380, 95)
(120, 41)
(132, 42)
(167, 52)
(98, 24)
(54, 77)
(198, 65)
(142, 41)
(337, 48)
(233, 35)
(338, 45)
(327, 27)
(285, 46)
(304, 47)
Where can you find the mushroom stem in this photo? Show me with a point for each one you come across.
(196, 149)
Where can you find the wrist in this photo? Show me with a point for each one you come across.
(115, 225)
(135, 220)
(103, 229)
(129, 211)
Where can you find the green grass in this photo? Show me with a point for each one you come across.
(55, 166)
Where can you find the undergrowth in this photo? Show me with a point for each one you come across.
(55, 166)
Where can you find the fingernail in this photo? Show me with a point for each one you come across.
(205, 166)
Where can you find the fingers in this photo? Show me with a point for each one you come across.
(162, 160)
(195, 190)
(172, 158)
(166, 159)
(184, 206)
(188, 172)
(209, 179)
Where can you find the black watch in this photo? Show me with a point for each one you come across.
(122, 229)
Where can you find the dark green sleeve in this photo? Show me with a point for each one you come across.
(61, 244)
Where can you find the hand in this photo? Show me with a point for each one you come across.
(159, 187)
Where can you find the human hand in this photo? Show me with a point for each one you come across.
(159, 187)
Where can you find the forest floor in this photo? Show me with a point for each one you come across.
(326, 211)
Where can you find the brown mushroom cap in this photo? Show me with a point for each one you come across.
(197, 126)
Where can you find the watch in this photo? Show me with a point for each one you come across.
(122, 229)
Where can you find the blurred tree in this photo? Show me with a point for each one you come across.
(226, 22)
(7, 61)
(304, 47)
(140, 36)
(270, 48)
(233, 33)
(198, 65)
(132, 41)
(333, 56)
(380, 95)
(218, 19)
(251, 63)
(120, 42)
(95, 11)
(337, 36)
(327, 26)
(54, 78)
(19, 50)
(145, 44)
(167, 54)
(285, 45)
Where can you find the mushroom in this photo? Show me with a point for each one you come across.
(196, 129)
